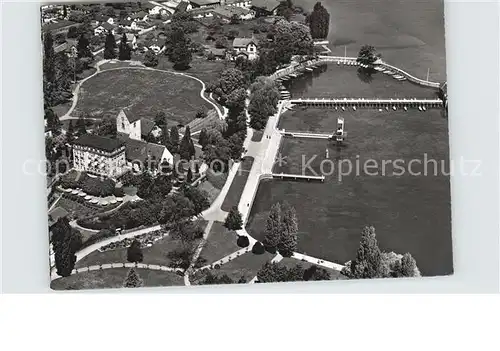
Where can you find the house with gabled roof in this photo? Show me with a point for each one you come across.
(265, 7)
(246, 47)
(134, 126)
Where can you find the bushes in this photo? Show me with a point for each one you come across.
(134, 252)
(258, 248)
(128, 216)
(243, 241)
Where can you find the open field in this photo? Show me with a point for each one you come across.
(143, 92)
(207, 71)
(221, 242)
(410, 212)
(113, 278)
(339, 81)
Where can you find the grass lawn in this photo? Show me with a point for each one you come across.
(349, 84)
(257, 135)
(144, 92)
(234, 194)
(221, 242)
(75, 209)
(411, 212)
(61, 109)
(207, 71)
(113, 278)
(211, 190)
(292, 262)
(116, 64)
(216, 179)
(246, 265)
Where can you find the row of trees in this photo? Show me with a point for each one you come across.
(371, 262)
(124, 50)
(281, 230)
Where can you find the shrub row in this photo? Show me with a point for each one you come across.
(144, 239)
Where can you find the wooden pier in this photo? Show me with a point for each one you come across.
(284, 176)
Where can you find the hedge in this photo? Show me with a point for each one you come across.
(258, 248)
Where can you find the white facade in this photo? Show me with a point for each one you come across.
(99, 162)
(250, 50)
(132, 129)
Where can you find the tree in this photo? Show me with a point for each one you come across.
(229, 80)
(242, 241)
(285, 9)
(72, 32)
(125, 51)
(202, 138)
(70, 133)
(83, 48)
(368, 55)
(198, 198)
(176, 209)
(189, 175)
(106, 127)
(150, 59)
(264, 99)
(64, 247)
(80, 125)
(201, 114)
(186, 147)
(134, 252)
(319, 21)
(166, 136)
(179, 52)
(368, 261)
(220, 43)
(53, 121)
(288, 239)
(258, 248)
(174, 139)
(233, 219)
(109, 47)
(274, 228)
(133, 280)
(406, 267)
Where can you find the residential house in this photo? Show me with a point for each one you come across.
(237, 3)
(199, 4)
(153, 45)
(99, 155)
(104, 28)
(219, 54)
(133, 126)
(158, 10)
(202, 13)
(140, 16)
(265, 7)
(132, 40)
(184, 6)
(140, 153)
(226, 13)
(246, 47)
(129, 24)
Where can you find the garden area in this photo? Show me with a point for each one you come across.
(114, 278)
(143, 92)
(337, 210)
(91, 185)
(160, 251)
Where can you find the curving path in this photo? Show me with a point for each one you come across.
(153, 267)
(76, 91)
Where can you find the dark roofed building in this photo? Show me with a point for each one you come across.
(265, 7)
(99, 155)
(99, 142)
(138, 151)
(204, 3)
(147, 126)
